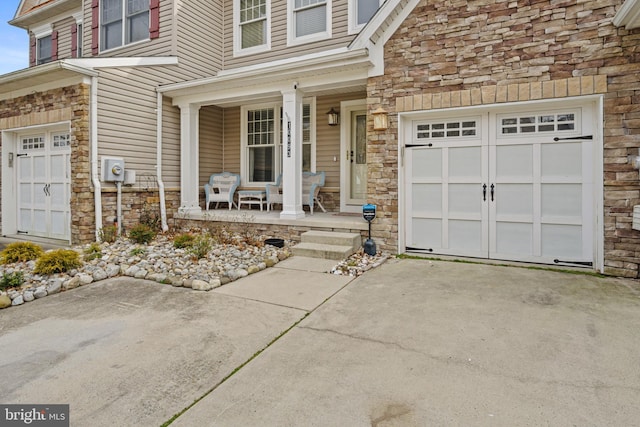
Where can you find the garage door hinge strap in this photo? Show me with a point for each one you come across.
(588, 263)
(409, 248)
(22, 155)
(22, 232)
(418, 145)
(573, 137)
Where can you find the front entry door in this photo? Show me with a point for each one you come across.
(357, 159)
(43, 169)
(513, 186)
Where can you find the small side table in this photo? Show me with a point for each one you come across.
(252, 197)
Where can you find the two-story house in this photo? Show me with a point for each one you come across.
(490, 129)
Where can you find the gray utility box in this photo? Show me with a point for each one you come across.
(112, 169)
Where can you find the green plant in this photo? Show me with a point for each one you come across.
(57, 261)
(92, 252)
(150, 216)
(11, 280)
(184, 240)
(19, 252)
(137, 251)
(108, 233)
(142, 233)
(201, 246)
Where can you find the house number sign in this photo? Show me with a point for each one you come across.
(289, 138)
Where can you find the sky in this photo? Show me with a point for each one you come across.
(14, 42)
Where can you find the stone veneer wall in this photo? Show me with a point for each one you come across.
(461, 53)
(136, 203)
(71, 104)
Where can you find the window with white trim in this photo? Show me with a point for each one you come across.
(360, 12)
(309, 20)
(262, 150)
(252, 26)
(44, 49)
(123, 22)
(79, 41)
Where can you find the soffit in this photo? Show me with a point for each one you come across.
(33, 12)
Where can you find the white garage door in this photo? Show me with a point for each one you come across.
(513, 186)
(44, 185)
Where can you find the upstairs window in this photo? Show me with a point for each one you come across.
(44, 45)
(361, 12)
(123, 22)
(251, 32)
(44, 52)
(310, 20)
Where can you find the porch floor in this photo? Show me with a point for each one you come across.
(331, 220)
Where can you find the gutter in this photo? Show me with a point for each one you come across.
(31, 72)
(163, 204)
(93, 142)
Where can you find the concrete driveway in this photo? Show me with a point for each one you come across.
(418, 343)
(412, 342)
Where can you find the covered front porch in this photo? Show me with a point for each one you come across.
(269, 124)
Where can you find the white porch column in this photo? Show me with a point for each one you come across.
(292, 153)
(189, 158)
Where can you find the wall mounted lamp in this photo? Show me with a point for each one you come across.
(380, 119)
(333, 117)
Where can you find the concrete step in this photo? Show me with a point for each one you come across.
(319, 250)
(332, 238)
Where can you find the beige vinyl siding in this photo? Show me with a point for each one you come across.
(127, 115)
(170, 144)
(200, 37)
(279, 49)
(162, 46)
(64, 37)
(232, 139)
(211, 142)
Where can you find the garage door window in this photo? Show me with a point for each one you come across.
(541, 123)
(33, 143)
(448, 129)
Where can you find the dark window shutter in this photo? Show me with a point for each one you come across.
(95, 26)
(74, 40)
(32, 51)
(154, 9)
(54, 46)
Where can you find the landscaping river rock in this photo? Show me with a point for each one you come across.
(162, 262)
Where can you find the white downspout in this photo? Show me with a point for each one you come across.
(93, 142)
(163, 206)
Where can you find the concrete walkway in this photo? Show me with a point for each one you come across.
(412, 342)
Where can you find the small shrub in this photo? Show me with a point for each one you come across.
(11, 280)
(220, 234)
(92, 252)
(19, 252)
(137, 251)
(108, 233)
(150, 216)
(142, 233)
(201, 246)
(57, 261)
(182, 241)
